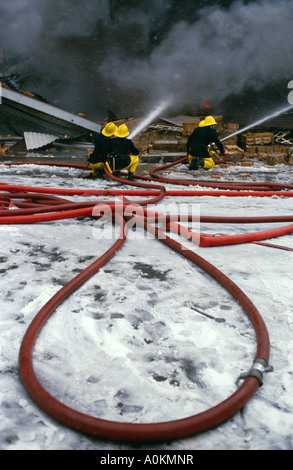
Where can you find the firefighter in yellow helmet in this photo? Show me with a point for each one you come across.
(124, 154)
(198, 142)
(102, 148)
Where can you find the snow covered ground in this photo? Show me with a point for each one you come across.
(150, 337)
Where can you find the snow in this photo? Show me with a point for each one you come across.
(150, 337)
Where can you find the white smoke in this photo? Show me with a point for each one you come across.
(223, 53)
(97, 54)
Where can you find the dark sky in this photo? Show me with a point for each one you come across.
(94, 55)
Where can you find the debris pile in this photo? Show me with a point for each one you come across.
(263, 146)
(37, 124)
(166, 142)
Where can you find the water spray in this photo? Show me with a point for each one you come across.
(283, 110)
(149, 119)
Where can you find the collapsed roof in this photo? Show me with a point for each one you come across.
(21, 112)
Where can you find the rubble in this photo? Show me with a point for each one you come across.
(258, 138)
(161, 141)
(273, 158)
(171, 142)
(189, 126)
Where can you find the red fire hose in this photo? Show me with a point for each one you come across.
(148, 431)
(38, 208)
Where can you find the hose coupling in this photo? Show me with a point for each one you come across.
(259, 367)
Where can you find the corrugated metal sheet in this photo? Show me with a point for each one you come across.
(35, 140)
(20, 113)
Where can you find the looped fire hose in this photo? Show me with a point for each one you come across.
(135, 431)
(140, 432)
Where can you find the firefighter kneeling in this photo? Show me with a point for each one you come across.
(199, 154)
(124, 155)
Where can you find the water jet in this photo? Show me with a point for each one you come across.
(260, 121)
(149, 119)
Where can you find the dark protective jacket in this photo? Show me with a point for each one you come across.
(198, 141)
(123, 146)
(101, 149)
(121, 149)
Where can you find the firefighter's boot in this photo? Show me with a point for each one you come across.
(194, 164)
(130, 176)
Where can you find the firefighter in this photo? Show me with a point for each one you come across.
(198, 142)
(101, 151)
(124, 154)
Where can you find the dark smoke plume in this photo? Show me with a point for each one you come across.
(94, 55)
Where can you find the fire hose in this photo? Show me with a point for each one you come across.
(34, 205)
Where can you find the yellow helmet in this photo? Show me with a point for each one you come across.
(209, 121)
(109, 129)
(201, 123)
(122, 131)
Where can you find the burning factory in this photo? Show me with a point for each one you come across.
(29, 122)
